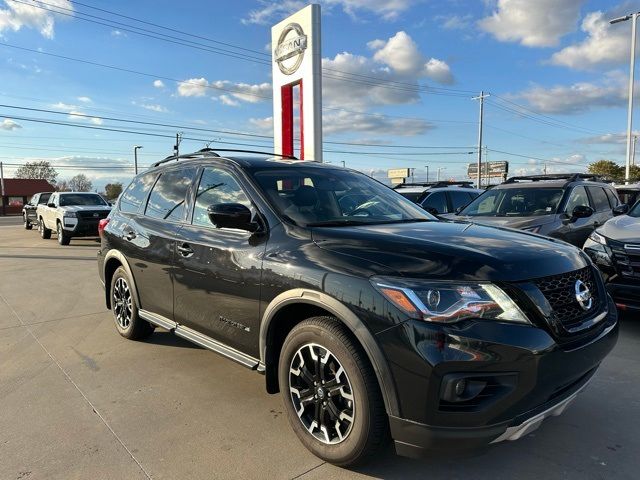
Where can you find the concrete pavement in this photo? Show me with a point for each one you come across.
(79, 401)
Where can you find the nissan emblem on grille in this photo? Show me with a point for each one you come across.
(583, 295)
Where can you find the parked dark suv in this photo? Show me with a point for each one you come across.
(439, 197)
(564, 206)
(382, 319)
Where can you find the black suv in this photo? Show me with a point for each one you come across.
(564, 206)
(29, 215)
(376, 320)
(438, 198)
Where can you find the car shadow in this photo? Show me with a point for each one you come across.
(168, 339)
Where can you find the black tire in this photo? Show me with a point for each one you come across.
(340, 443)
(26, 222)
(45, 233)
(125, 309)
(63, 238)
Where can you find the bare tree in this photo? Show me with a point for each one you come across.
(37, 170)
(80, 183)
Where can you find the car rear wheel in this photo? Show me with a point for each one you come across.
(63, 238)
(45, 233)
(331, 393)
(125, 310)
(26, 222)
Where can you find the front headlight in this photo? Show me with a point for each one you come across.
(597, 238)
(449, 302)
(535, 229)
(70, 214)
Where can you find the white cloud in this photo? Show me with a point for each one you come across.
(227, 100)
(64, 106)
(9, 125)
(578, 97)
(605, 44)
(118, 34)
(455, 22)
(539, 23)
(78, 116)
(84, 99)
(193, 87)
(274, 11)
(158, 83)
(438, 71)
(263, 125)
(154, 107)
(610, 138)
(18, 15)
(341, 122)
(574, 163)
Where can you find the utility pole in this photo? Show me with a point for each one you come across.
(135, 158)
(632, 66)
(176, 148)
(344, 164)
(427, 167)
(438, 176)
(633, 155)
(481, 97)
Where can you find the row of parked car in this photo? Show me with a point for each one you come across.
(69, 214)
(576, 208)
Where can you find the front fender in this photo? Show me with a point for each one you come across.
(350, 320)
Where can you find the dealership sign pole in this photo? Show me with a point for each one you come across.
(297, 68)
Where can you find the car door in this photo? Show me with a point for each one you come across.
(459, 199)
(49, 211)
(576, 231)
(151, 235)
(601, 205)
(218, 271)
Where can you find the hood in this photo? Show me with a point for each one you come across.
(511, 222)
(623, 229)
(453, 251)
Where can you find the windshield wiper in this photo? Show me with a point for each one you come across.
(406, 220)
(338, 223)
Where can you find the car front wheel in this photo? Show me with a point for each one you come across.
(331, 393)
(63, 238)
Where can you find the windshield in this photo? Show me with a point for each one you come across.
(515, 202)
(69, 199)
(313, 197)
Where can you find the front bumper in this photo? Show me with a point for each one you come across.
(81, 227)
(625, 294)
(546, 378)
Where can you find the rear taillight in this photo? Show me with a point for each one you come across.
(102, 224)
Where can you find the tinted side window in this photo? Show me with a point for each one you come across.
(216, 186)
(459, 199)
(613, 199)
(136, 192)
(600, 200)
(436, 200)
(44, 198)
(578, 197)
(169, 194)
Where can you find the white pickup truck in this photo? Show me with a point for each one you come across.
(71, 214)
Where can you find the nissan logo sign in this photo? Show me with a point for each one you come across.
(583, 295)
(290, 49)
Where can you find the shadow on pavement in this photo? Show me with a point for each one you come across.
(168, 339)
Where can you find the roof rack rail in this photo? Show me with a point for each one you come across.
(569, 177)
(212, 153)
(443, 183)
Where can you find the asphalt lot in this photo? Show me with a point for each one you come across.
(80, 402)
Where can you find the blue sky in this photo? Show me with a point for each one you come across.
(555, 69)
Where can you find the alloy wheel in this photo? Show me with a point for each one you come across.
(321, 394)
(122, 303)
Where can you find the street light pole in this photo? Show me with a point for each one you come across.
(427, 167)
(440, 168)
(135, 158)
(632, 65)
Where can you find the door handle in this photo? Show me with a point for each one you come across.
(185, 250)
(130, 235)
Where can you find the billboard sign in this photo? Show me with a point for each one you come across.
(488, 170)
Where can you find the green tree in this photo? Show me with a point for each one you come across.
(113, 190)
(80, 183)
(38, 170)
(607, 169)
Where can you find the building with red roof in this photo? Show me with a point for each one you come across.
(15, 192)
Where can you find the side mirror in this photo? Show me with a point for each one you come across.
(621, 209)
(432, 211)
(581, 211)
(231, 215)
(52, 205)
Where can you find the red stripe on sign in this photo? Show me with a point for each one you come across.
(301, 124)
(287, 119)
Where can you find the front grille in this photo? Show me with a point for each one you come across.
(559, 290)
(626, 258)
(92, 214)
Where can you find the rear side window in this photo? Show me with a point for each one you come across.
(169, 194)
(44, 198)
(437, 201)
(600, 200)
(136, 192)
